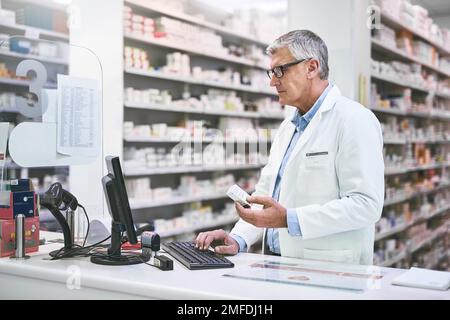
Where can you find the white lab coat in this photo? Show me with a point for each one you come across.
(338, 196)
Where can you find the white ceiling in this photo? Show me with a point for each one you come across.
(436, 8)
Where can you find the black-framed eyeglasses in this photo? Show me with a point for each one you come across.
(278, 71)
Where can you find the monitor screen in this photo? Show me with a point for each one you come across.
(124, 212)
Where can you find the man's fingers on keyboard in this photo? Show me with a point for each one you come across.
(219, 234)
(224, 250)
(201, 239)
(197, 239)
(208, 239)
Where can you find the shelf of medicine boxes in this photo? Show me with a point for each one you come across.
(23, 83)
(242, 61)
(427, 241)
(149, 6)
(194, 50)
(237, 114)
(425, 141)
(403, 84)
(25, 172)
(26, 83)
(402, 170)
(13, 166)
(396, 24)
(32, 32)
(401, 228)
(409, 251)
(190, 80)
(59, 5)
(414, 195)
(13, 54)
(400, 54)
(190, 140)
(407, 113)
(136, 205)
(178, 170)
(438, 262)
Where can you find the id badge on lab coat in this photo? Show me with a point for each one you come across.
(317, 159)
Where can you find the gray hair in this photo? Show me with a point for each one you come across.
(303, 44)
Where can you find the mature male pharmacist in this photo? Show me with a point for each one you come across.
(323, 186)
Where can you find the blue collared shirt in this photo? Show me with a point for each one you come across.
(294, 229)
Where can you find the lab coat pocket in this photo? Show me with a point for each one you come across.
(341, 256)
(317, 160)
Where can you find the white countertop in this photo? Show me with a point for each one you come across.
(39, 277)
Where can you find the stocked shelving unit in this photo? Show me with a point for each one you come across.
(26, 25)
(170, 113)
(416, 214)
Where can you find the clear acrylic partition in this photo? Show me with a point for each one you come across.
(51, 121)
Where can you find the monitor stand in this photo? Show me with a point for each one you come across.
(114, 256)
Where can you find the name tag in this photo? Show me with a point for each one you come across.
(317, 159)
(315, 154)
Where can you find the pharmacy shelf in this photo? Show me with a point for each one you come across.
(401, 228)
(424, 141)
(426, 242)
(436, 213)
(154, 140)
(190, 80)
(429, 141)
(394, 260)
(389, 53)
(170, 108)
(392, 111)
(32, 56)
(217, 223)
(391, 232)
(403, 84)
(177, 170)
(439, 261)
(36, 33)
(194, 50)
(411, 250)
(394, 141)
(189, 140)
(137, 205)
(414, 195)
(23, 83)
(390, 171)
(428, 115)
(147, 5)
(395, 23)
(14, 166)
(130, 74)
(398, 53)
(61, 5)
(399, 82)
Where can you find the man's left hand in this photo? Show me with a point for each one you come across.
(273, 215)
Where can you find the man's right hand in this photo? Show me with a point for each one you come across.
(229, 246)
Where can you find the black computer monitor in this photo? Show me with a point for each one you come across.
(122, 219)
(125, 216)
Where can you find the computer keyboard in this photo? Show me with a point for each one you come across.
(195, 259)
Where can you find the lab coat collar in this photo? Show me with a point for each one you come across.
(330, 99)
(305, 119)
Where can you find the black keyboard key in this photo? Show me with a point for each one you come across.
(196, 259)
